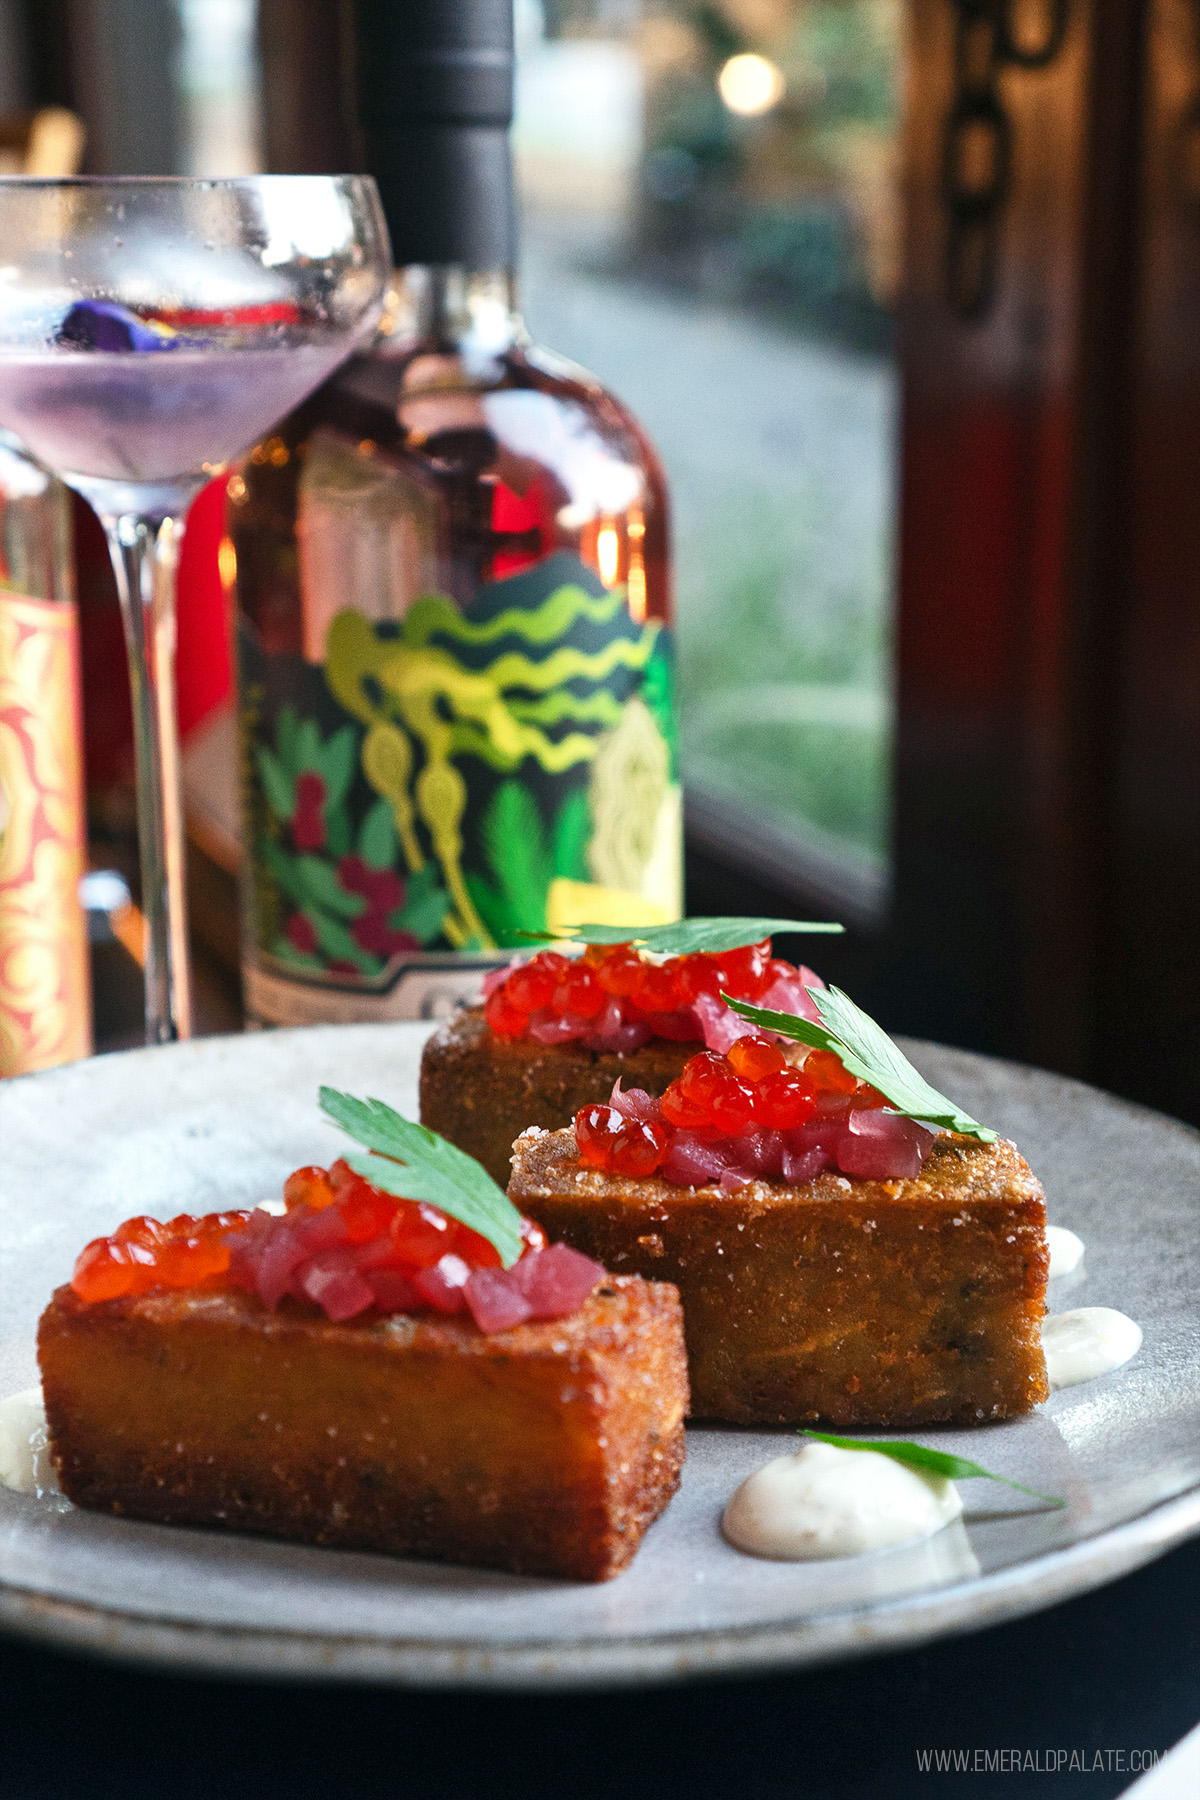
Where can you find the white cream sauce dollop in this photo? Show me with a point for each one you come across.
(1091, 1341)
(824, 1502)
(24, 1447)
(1066, 1250)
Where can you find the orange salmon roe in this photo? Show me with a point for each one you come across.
(552, 984)
(142, 1254)
(620, 1146)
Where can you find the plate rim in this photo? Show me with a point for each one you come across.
(905, 1622)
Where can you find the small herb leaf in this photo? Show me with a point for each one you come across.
(434, 1170)
(865, 1050)
(934, 1462)
(686, 937)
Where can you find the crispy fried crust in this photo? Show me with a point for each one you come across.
(480, 1090)
(889, 1303)
(547, 1449)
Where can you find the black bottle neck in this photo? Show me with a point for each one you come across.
(434, 84)
(447, 192)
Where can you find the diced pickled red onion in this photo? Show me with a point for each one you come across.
(496, 1300)
(692, 1162)
(498, 977)
(681, 1027)
(762, 1152)
(611, 1031)
(789, 994)
(556, 1280)
(719, 1026)
(393, 1290)
(442, 1284)
(318, 1230)
(881, 1145)
(340, 1292)
(636, 1103)
(281, 1256)
(553, 1028)
(804, 1164)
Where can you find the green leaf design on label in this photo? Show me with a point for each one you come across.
(377, 842)
(286, 727)
(320, 884)
(336, 762)
(277, 784)
(424, 908)
(572, 832)
(308, 746)
(337, 943)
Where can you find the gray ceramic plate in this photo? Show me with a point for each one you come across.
(218, 1123)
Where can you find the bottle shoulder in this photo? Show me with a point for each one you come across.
(394, 395)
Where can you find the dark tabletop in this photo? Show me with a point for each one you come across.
(1115, 1672)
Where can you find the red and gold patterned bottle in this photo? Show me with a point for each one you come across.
(453, 595)
(45, 998)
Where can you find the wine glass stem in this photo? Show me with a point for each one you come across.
(145, 550)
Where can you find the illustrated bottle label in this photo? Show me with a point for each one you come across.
(419, 792)
(45, 1000)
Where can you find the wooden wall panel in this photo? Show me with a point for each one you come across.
(1012, 455)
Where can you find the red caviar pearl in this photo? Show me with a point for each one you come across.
(869, 1098)
(367, 1212)
(595, 1128)
(657, 988)
(620, 971)
(578, 992)
(532, 986)
(638, 1148)
(731, 1107)
(752, 1058)
(532, 1235)
(142, 1231)
(746, 970)
(827, 1073)
(102, 1271)
(305, 1184)
(502, 1016)
(479, 1251)
(783, 1100)
(700, 974)
(420, 1234)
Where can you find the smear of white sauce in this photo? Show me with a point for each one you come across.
(823, 1502)
(1091, 1341)
(24, 1448)
(1066, 1250)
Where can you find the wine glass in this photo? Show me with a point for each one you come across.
(150, 330)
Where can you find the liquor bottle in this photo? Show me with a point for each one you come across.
(453, 599)
(45, 993)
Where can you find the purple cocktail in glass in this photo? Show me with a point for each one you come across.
(150, 330)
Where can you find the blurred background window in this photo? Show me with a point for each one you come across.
(218, 78)
(711, 224)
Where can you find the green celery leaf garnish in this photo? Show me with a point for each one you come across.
(686, 937)
(433, 1170)
(865, 1049)
(934, 1462)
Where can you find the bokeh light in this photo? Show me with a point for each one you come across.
(750, 84)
